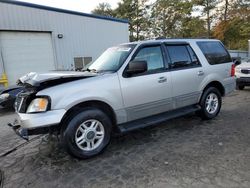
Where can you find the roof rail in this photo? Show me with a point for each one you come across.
(160, 38)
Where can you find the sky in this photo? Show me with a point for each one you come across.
(81, 5)
(77, 5)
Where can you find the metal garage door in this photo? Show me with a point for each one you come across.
(24, 52)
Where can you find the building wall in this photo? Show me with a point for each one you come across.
(82, 36)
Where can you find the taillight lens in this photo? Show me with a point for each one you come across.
(233, 70)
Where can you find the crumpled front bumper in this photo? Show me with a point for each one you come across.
(22, 132)
(44, 119)
(36, 123)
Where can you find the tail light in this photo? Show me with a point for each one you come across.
(233, 70)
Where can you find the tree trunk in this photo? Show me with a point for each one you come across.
(137, 17)
(226, 10)
(208, 21)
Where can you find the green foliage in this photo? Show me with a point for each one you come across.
(227, 20)
(136, 11)
(167, 16)
(193, 27)
(235, 31)
(208, 6)
(104, 9)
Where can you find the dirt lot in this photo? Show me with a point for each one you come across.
(184, 152)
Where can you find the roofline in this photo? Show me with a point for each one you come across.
(170, 40)
(25, 4)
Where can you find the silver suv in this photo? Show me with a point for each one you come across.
(129, 86)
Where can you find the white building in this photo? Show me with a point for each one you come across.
(36, 38)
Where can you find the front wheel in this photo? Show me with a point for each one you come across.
(210, 103)
(87, 133)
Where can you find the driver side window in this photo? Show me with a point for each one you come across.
(153, 56)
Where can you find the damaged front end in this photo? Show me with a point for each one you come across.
(34, 111)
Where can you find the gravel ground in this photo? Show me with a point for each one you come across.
(184, 152)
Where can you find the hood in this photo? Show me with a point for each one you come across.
(10, 88)
(244, 65)
(52, 78)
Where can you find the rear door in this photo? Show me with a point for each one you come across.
(186, 73)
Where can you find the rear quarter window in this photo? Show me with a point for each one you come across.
(214, 52)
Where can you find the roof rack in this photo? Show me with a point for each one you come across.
(160, 38)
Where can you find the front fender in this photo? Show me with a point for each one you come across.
(104, 88)
(68, 102)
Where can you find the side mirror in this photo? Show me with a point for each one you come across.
(136, 67)
(237, 62)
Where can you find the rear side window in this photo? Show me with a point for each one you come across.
(182, 56)
(214, 52)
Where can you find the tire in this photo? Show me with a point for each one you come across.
(209, 109)
(240, 87)
(86, 133)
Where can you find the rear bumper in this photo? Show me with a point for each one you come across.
(243, 81)
(230, 85)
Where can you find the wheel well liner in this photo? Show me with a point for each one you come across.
(217, 85)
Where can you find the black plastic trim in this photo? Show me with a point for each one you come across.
(244, 81)
(156, 119)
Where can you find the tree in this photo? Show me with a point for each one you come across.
(225, 14)
(193, 27)
(104, 9)
(208, 7)
(136, 11)
(235, 30)
(167, 17)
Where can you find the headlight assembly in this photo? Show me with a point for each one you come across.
(238, 70)
(4, 96)
(38, 105)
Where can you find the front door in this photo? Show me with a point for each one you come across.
(148, 93)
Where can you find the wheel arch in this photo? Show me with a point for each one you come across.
(217, 85)
(104, 107)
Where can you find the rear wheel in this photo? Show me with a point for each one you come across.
(240, 87)
(210, 103)
(87, 133)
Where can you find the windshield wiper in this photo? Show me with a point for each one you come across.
(91, 70)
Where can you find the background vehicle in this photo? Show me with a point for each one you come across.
(243, 74)
(8, 96)
(129, 86)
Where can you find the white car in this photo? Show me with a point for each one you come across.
(243, 74)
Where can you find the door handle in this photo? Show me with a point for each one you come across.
(200, 73)
(162, 79)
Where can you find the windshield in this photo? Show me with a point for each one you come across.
(246, 60)
(112, 59)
